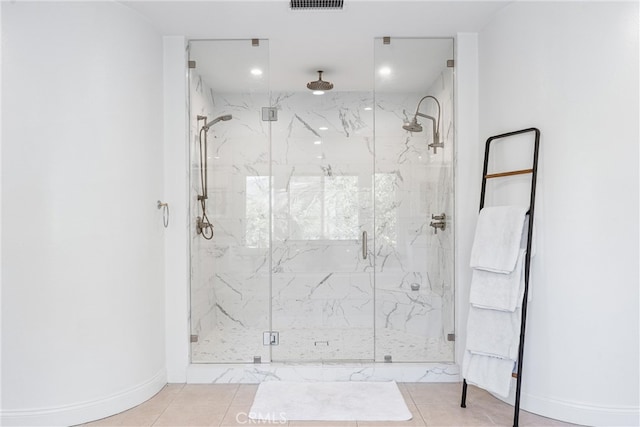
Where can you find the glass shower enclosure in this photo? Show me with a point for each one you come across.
(332, 233)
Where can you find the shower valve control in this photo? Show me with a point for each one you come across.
(439, 223)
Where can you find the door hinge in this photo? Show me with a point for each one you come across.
(269, 114)
(271, 338)
(451, 337)
(451, 63)
(192, 64)
(194, 338)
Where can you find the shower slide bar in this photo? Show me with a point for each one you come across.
(532, 198)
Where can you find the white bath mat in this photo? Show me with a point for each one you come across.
(329, 401)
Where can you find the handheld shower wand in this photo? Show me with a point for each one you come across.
(214, 121)
(203, 225)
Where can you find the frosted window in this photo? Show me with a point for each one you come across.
(323, 208)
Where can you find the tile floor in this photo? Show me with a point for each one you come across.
(432, 404)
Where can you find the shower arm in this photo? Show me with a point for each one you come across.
(436, 135)
(436, 125)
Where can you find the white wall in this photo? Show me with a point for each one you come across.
(82, 170)
(571, 69)
(467, 175)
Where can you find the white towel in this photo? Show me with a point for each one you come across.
(497, 238)
(490, 373)
(494, 333)
(498, 291)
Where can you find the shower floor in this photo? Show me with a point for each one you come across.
(241, 345)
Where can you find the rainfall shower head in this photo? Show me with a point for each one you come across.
(320, 84)
(414, 126)
(216, 120)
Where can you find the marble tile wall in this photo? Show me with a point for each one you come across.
(203, 313)
(322, 284)
(230, 273)
(414, 265)
(301, 261)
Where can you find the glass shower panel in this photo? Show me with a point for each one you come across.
(414, 314)
(322, 271)
(230, 283)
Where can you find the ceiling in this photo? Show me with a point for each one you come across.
(346, 44)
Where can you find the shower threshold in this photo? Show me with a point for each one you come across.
(250, 373)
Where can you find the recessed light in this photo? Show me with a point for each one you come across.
(385, 71)
(256, 72)
(318, 92)
(319, 157)
(368, 108)
(318, 142)
(323, 128)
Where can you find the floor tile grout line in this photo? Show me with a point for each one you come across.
(224, 417)
(424, 421)
(170, 401)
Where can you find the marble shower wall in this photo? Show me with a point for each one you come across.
(414, 264)
(326, 300)
(203, 314)
(230, 273)
(323, 189)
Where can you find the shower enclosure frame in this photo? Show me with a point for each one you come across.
(247, 372)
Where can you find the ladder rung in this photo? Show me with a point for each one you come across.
(518, 172)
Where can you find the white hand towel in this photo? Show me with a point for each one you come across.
(492, 332)
(498, 291)
(490, 373)
(497, 238)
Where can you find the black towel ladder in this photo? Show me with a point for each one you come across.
(534, 173)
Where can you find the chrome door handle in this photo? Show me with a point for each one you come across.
(364, 245)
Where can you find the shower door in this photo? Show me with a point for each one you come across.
(230, 275)
(414, 318)
(322, 260)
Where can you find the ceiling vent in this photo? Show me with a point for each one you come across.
(316, 4)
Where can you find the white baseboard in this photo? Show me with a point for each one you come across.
(576, 412)
(581, 413)
(78, 413)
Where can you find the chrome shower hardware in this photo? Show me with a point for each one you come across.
(439, 223)
(414, 126)
(364, 245)
(203, 225)
(320, 84)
